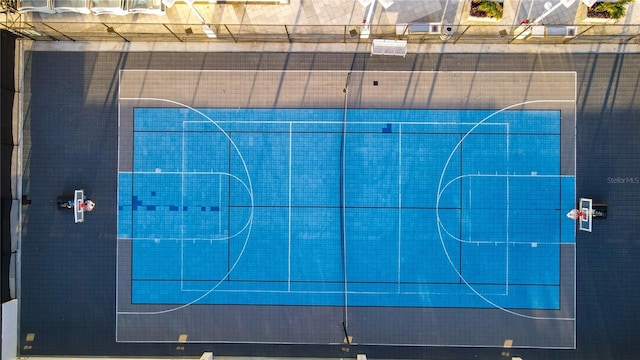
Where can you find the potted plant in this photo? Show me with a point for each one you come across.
(608, 10)
(486, 9)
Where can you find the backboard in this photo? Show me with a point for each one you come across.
(78, 206)
(586, 214)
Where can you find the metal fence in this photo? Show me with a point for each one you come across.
(196, 32)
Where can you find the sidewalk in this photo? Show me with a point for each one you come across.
(329, 21)
(337, 12)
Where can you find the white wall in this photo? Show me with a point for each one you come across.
(9, 329)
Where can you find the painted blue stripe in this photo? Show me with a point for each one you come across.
(173, 119)
(569, 202)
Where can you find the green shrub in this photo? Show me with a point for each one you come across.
(491, 8)
(616, 9)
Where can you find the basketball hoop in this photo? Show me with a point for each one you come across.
(575, 214)
(586, 213)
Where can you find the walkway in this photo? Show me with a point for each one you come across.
(323, 20)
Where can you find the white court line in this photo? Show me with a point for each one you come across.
(219, 204)
(182, 173)
(455, 179)
(289, 225)
(575, 96)
(351, 292)
(187, 173)
(506, 287)
(342, 73)
(329, 122)
(117, 292)
(507, 220)
(182, 213)
(223, 237)
(399, 201)
(439, 221)
(340, 343)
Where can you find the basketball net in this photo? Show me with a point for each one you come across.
(575, 214)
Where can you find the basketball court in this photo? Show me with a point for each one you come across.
(329, 207)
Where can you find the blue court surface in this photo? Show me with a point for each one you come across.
(420, 208)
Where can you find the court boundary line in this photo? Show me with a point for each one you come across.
(391, 344)
(345, 72)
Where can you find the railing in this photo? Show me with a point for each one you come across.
(194, 32)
